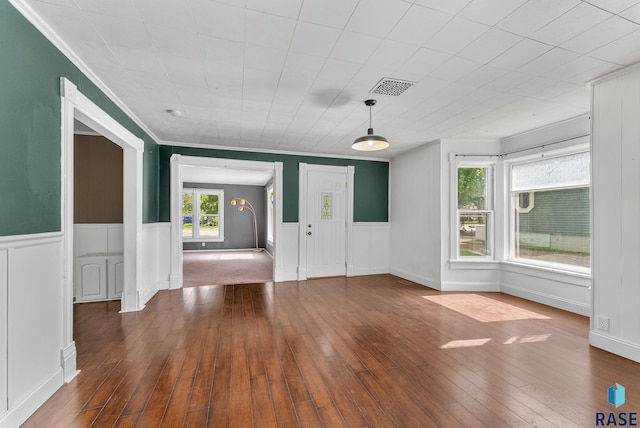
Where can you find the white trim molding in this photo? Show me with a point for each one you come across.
(553, 300)
(615, 345)
(75, 105)
(20, 412)
(418, 279)
(177, 162)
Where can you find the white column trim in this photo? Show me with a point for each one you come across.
(175, 277)
(75, 105)
(351, 170)
(302, 221)
(278, 259)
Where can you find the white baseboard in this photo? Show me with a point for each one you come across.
(157, 286)
(615, 345)
(20, 412)
(418, 279)
(139, 305)
(370, 271)
(547, 299)
(68, 362)
(286, 276)
(175, 281)
(281, 275)
(479, 287)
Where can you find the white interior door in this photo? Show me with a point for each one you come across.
(326, 222)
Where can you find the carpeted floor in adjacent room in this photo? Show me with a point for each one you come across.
(226, 267)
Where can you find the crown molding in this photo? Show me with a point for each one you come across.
(40, 24)
(613, 74)
(275, 152)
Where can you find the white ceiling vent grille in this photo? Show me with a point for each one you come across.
(389, 86)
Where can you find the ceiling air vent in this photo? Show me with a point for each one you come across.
(389, 86)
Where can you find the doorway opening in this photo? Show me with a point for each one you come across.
(220, 206)
(224, 226)
(98, 235)
(76, 106)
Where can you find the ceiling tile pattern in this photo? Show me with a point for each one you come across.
(293, 74)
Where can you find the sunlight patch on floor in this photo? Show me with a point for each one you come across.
(527, 339)
(483, 309)
(464, 343)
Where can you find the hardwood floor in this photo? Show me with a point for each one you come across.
(373, 351)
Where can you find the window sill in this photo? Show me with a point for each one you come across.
(202, 240)
(483, 264)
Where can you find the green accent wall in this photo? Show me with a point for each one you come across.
(30, 72)
(30, 153)
(371, 186)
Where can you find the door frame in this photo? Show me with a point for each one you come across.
(176, 277)
(349, 172)
(75, 105)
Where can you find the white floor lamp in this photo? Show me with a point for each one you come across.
(244, 204)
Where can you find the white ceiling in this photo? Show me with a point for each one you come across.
(292, 74)
(199, 174)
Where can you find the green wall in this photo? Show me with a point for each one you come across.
(30, 188)
(30, 71)
(371, 187)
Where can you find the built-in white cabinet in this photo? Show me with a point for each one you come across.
(98, 276)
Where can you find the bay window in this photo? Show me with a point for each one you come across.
(550, 211)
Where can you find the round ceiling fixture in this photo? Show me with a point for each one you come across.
(370, 142)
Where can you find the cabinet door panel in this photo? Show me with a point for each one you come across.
(91, 280)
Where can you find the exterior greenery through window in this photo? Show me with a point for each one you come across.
(475, 212)
(550, 214)
(202, 211)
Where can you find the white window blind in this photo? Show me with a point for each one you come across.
(564, 171)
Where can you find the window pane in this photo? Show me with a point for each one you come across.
(472, 188)
(473, 234)
(563, 171)
(209, 218)
(554, 226)
(187, 215)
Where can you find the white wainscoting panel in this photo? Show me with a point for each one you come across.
(4, 254)
(615, 186)
(570, 292)
(31, 327)
(97, 238)
(155, 263)
(290, 253)
(370, 248)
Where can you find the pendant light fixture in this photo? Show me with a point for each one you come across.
(370, 142)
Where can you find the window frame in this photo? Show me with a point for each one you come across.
(195, 231)
(510, 222)
(489, 210)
